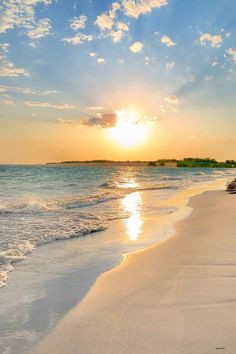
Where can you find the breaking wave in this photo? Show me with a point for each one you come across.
(41, 204)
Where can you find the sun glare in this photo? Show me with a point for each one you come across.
(132, 204)
(128, 132)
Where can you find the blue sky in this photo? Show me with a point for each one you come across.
(72, 63)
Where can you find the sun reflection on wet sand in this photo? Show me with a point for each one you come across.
(132, 205)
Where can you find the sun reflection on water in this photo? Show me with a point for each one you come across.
(132, 205)
(129, 184)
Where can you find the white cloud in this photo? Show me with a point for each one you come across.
(4, 47)
(105, 21)
(116, 36)
(168, 41)
(41, 29)
(101, 61)
(45, 93)
(135, 8)
(136, 47)
(215, 63)
(172, 99)
(8, 69)
(33, 44)
(147, 60)
(78, 39)
(21, 14)
(170, 66)
(109, 25)
(6, 100)
(232, 53)
(96, 108)
(78, 22)
(122, 26)
(48, 105)
(121, 61)
(67, 121)
(26, 90)
(118, 33)
(215, 41)
(92, 54)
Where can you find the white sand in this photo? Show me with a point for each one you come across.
(178, 297)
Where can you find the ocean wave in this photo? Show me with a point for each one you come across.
(201, 173)
(26, 207)
(118, 192)
(224, 172)
(138, 188)
(32, 207)
(89, 201)
(119, 185)
(19, 249)
(160, 187)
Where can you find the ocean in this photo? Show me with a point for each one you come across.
(42, 204)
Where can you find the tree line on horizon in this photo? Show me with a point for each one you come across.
(188, 162)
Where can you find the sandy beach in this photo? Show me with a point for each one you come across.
(177, 297)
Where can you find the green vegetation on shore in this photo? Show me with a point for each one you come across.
(191, 162)
(205, 163)
(188, 162)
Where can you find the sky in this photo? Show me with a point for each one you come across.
(120, 80)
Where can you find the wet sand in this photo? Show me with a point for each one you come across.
(177, 297)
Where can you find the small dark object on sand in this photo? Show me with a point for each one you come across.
(231, 187)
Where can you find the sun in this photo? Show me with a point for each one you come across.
(129, 131)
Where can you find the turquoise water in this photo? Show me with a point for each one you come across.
(45, 203)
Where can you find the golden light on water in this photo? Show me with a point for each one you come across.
(128, 183)
(132, 204)
(129, 131)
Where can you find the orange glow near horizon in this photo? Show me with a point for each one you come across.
(128, 132)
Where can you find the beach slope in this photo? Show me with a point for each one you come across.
(178, 297)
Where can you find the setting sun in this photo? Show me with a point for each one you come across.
(129, 131)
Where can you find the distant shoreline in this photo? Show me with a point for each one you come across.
(170, 163)
(111, 163)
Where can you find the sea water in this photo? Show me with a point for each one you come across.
(45, 203)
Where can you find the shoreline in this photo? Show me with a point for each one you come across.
(61, 282)
(90, 305)
(189, 192)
